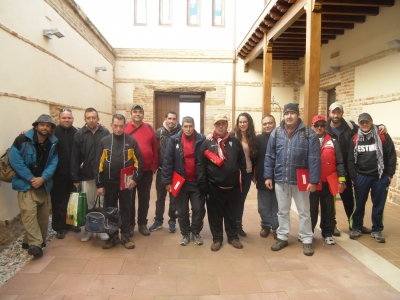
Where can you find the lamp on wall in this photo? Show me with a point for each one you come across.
(334, 68)
(98, 69)
(299, 81)
(394, 44)
(273, 102)
(55, 31)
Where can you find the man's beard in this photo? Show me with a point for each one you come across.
(336, 121)
(45, 135)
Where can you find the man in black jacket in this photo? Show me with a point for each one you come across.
(266, 198)
(86, 142)
(180, 156)
(372, 164)
(170, 127)
(62, 182)
(219, 164)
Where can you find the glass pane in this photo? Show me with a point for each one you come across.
(141, 11)
(193, 18)
(191, 109)
(165, 12)
(217, 12)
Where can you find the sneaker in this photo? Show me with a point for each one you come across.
(265, 231)
(329, 240)
(197, 239)
(355, 234)
(86, 236)
(172, 228)
(236, 244)
(240, 231)
(60, 234)
(336, 232)
(144, 230)
(35, 251)
(308, 249)
(111, 242)
(279, 245)
(185, 240)
(377, 235)
(127, 241)
(216, 246)
(103, 236)
(366, 230)
(156, 225)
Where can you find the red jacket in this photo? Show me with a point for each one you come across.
(331, 159)
(147, 141)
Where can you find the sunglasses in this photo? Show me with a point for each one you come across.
(65, 109)
(319, 125)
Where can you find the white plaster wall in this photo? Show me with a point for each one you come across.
(385, 113)
(124, 92)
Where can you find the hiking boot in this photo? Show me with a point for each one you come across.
(111, 242)
(156, 225)
(103, 236)
(240, 231)
(279, 245)
(236, 244)
(216, 246)
(185, 240)
(365, 230)
(336, 232)
(329, 240)
(275, 235)
(355, 234)
(72, 228)
(265, 231)
(35, 251)
(144, 230)
(308, 249)
(197, 239)
(127, 241)
(377, 235)
(172, 228)
(60, 234)
(131, 228)
(86, 236)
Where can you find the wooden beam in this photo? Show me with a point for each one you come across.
(267, 76)
(387, 3)
(269, 22)
(255, 52)
(339, 18)
(251, 42)
(312, 60)
(350, 10)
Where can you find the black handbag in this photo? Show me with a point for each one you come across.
(102, 220)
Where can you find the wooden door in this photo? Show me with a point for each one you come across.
(331, 99)
(163, 103)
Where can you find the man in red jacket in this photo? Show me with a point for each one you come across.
(147, 141)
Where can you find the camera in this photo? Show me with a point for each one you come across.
(35, 169)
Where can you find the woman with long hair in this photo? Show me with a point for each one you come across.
(246, 134)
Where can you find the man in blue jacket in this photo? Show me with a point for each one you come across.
(34, 158)
(181, 156)
(292, 146)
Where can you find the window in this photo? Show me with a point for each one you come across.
(193, 12)
(140, 12)
(218, 13)
(165, 12)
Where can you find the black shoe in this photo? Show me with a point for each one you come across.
(365, 230)
(60, 234)
(25, 246)
(240, 231)
(144, 230)
(131, 228)
(43, 244)
(72, 228)
(35, 251)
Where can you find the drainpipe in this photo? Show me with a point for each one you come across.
(234, 66)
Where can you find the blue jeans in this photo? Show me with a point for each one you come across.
(268, 208)
(246, 179)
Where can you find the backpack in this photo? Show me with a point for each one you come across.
(381, 135)
(6, 171)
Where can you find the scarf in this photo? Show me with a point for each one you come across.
(221, 151)
(373, 133)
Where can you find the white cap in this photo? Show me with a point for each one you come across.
(335, 105)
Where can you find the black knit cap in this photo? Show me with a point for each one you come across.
(291, 107)
(44, 119)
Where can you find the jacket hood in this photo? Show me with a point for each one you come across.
(29, 134)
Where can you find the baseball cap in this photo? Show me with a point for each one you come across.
(364, 117)
(220, 118)
(318, 118)
(335, 105)
(135, 106)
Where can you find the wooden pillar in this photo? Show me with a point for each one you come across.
(267, 76)
(312, 60)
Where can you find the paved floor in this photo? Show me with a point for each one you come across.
(159, 268)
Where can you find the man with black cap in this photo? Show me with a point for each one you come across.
(34, 158)
(147, 141)
(292, 146)
(372, 164)
(219, 163)
(341, 130)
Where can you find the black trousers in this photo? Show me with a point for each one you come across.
(348, 198)
(221, 209)
(160, 203)
(59, 194)
(327, 201)
(143, 191)
(114, 196)
(190, 192)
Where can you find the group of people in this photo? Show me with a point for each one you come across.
(217, 171)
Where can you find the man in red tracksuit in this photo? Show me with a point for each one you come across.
(147, 141)
(331, 163)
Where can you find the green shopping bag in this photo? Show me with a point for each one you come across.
(77, 208)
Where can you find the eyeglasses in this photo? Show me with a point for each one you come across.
(319, 125)
(65, 109)
(243, 122)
